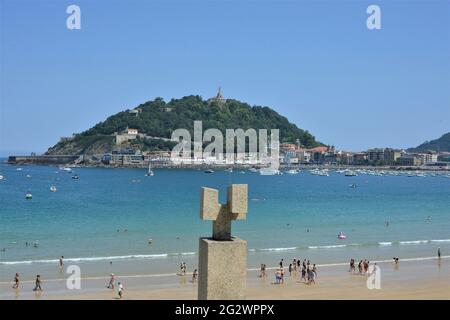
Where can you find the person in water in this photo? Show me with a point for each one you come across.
(439, 253)
(194, 276)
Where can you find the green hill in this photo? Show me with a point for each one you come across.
(158, 118)
(440, 145)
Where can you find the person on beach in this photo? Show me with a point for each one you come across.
(352, 265)
(303, 278)
(38, 284)
(311, 277)
(194, 276)
(261, 271)
(439, 253)
(120, 286)
(314, 271)
(360, 267)
(16, 281)
(281, 263)
(282, 275)
(61, 262)
(298, 263)
(294, 264)
(111, 281)
(304, 263)
(290, 269)
(278, 276)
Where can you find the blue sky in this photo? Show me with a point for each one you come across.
(315, 62)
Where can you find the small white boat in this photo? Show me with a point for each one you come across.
(349, 173)
(75, 177)
(28, 196)
(253, 170)
(19, 169)
(28, 176)
(2, 177)
(53, 189)
(66, 169)
(36, 244)
(209, 171)
(229, 170)
(293, 171)
(269, 172)
(352, 185)
(341, 236)
(150, 172)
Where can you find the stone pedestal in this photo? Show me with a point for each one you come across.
(222, 269)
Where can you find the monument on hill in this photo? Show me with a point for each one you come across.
(223, 258)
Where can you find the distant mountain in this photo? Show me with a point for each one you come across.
(158, 118)
(439, 145)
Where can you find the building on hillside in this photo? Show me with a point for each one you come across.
(132, 131)
(128, 134)
(219, 98)
(135, 111)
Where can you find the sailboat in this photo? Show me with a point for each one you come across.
(53, 189)
(149, 173)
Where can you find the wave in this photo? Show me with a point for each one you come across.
(441, 240)
(281, 249)
(414, 242)
(109, 258)
(276, 249)
(328, 247)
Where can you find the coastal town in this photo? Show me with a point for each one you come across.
(290, 155)
(132, 147)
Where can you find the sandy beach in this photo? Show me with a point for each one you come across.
(427, 278)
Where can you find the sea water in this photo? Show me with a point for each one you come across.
(120, 220)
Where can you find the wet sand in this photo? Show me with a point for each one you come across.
(413, 279)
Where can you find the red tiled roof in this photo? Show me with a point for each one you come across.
(318, 149)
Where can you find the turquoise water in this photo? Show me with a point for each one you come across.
(289, 216)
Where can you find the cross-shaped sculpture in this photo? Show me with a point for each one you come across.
(222, 214)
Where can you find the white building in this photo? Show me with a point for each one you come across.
(132, 131)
